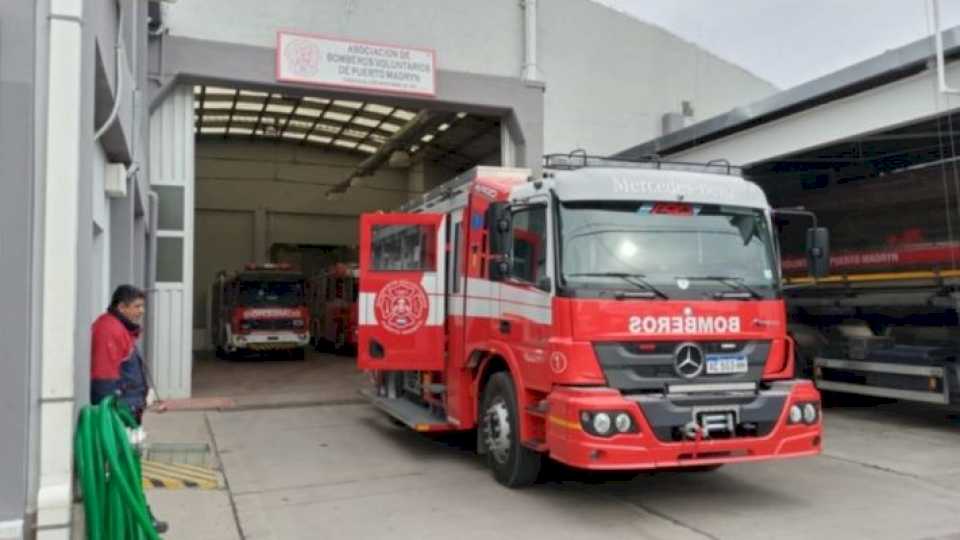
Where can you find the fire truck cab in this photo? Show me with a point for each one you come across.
(333, 308)
(260, 308)
(609, 316)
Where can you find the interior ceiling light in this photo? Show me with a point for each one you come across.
(339, 117)
(220, 91)
(379, 109)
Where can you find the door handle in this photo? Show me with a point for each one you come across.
(504, 327)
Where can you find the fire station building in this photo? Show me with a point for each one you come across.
(159, 142)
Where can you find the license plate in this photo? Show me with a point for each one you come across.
(726, 365)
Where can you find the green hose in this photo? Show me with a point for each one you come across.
(109, 471)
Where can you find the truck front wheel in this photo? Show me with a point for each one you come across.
(513, 464)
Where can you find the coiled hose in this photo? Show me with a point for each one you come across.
(109, 471)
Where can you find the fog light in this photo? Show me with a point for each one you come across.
(601, 423)
(796, 415)
(809, 413)
(623, 422)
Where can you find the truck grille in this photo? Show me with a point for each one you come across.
(637, 367)
(270, 324)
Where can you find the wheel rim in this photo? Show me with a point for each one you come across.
(497, 431)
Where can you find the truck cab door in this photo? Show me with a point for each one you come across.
(401, 301)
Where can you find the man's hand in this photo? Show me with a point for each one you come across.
(159, 407)
(154, 404)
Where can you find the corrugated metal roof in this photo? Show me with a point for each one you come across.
(884, 68)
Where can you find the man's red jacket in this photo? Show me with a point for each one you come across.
(116, 367)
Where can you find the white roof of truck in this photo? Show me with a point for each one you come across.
(645, 184)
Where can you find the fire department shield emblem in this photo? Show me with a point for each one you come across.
(303, 57)
(402, 307)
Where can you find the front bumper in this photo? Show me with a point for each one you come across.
(647, 448)
(265, 341)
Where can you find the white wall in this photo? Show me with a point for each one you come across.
(467, 36)
(101, 234)
(609, 77)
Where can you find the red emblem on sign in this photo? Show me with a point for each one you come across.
(303, 57)
(402, 307)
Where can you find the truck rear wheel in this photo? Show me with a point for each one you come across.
(513, 464)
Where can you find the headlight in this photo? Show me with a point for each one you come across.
(601, 423)
(796, 415)
(297, 323)
(607, 423)
(809, 413)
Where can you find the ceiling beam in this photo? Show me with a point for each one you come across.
(233, 109)
(409, 134)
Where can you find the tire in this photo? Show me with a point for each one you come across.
(513, 464)
(340, 340)
(298, 354)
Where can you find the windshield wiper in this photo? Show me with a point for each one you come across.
(637, 280)
(734, 282)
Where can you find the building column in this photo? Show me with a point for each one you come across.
(60, 201)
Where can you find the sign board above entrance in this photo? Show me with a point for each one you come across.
(304, 58)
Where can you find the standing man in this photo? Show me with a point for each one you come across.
(116, 365)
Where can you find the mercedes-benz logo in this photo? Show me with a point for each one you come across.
(688, 360)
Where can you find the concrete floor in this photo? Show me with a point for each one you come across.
(336, 469)
(277, 380)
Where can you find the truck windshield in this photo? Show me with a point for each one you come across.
(272, 293)
(684, 250)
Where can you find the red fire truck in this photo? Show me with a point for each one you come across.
(261, 308)
(607, 315)
(333, 308)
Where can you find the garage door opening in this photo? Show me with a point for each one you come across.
(282, 178)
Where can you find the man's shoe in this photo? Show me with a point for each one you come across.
(160, 526)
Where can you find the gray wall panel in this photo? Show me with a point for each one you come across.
(17, 36)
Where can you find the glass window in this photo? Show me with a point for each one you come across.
(404, 248)
(271, 293)
(170, 213)
(685, 250)
(169, 259)
(456, 256)
(529, 255)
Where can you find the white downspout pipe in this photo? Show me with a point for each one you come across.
(530, 70)
(938, 40)
(60, 202)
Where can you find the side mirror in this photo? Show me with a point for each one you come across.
(499, 228)
(500, 234)
(545, 284)
(818, 251)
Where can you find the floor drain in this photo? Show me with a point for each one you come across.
(195, 454)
